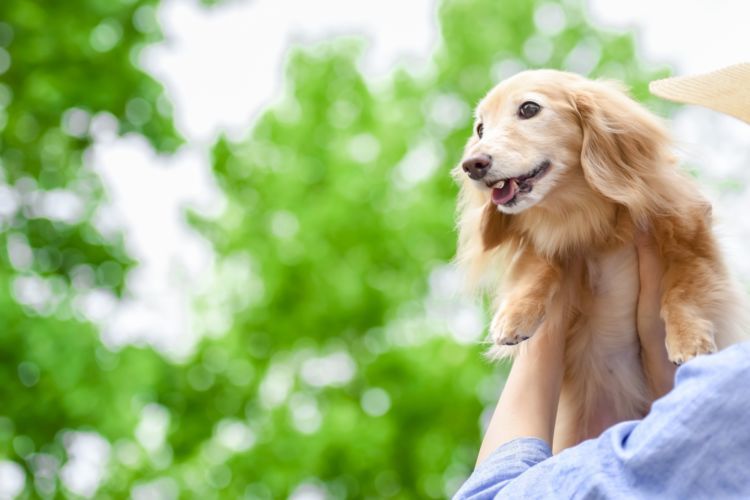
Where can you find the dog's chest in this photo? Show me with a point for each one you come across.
(604, 381)
(608, 305)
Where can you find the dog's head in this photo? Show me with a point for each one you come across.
(545, 138)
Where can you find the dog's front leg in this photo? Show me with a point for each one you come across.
(687, 286)
(693, 278)
(532, 281)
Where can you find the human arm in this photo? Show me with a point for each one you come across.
(693, 444)
(520, 431)
(651, 332)
(528, 404)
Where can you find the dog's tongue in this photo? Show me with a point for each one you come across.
(502, 195)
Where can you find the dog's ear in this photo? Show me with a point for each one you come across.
(624, 147)
(494, 227)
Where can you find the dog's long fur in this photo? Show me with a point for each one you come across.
(567, 251)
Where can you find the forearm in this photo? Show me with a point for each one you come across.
(528, 404)
(659, 370)
(651, 331)
(656, 365)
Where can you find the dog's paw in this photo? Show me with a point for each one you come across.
(686, 341)
(512, 325)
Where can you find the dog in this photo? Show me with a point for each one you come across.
(558, 175)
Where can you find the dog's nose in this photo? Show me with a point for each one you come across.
(477, 166)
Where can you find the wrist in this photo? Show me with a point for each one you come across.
(546, 346)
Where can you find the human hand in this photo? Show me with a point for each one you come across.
(651, 331)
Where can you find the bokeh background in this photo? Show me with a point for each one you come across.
(226, 231)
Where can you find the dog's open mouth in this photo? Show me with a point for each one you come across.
(505, 191)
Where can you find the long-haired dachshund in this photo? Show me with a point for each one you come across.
(558, 175)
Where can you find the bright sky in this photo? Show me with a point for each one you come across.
(221, 65)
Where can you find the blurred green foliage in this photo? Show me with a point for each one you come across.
(331, 377)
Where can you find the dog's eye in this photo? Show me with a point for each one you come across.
(480, 129)
(528, 110)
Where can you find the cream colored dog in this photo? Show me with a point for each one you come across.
(558, 175)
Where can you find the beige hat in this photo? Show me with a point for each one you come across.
(726, 90)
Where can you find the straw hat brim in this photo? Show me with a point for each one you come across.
(726, 90)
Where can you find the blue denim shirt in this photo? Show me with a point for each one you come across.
(695, 443)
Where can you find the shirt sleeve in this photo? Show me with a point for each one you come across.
(693, 444)
(504, 464)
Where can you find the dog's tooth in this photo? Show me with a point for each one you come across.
(500, 185)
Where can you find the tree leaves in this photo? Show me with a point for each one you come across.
(341, 365)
